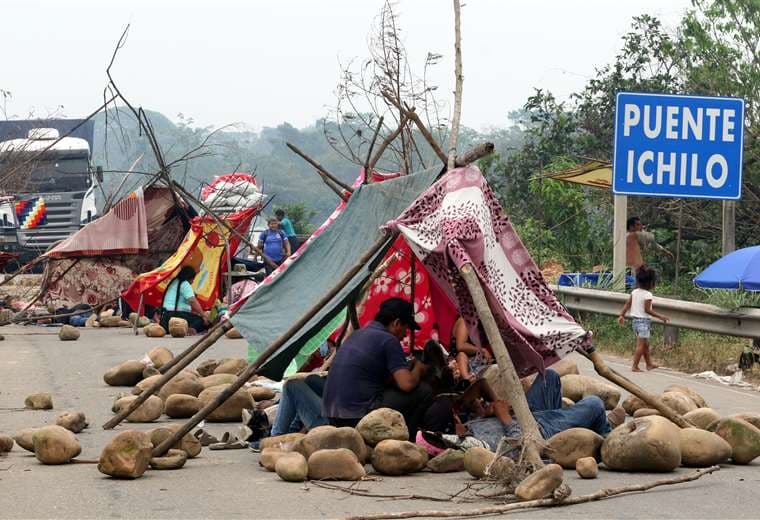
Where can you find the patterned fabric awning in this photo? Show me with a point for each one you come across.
(459, 221)
(597, 174)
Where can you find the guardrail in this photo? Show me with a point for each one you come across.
(743, 322)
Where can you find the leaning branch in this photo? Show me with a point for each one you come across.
(320, 169)
(410, 113)
(387, 141)
(367, 161)
(543, 502)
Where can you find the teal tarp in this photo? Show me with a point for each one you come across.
(276, 307)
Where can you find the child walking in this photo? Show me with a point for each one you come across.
(640, 305)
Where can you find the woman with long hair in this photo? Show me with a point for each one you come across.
(180, 302)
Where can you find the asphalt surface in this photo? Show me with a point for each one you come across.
(230, 484)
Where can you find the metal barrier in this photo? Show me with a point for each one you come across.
(743, 322)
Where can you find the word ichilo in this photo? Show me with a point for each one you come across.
(678, 146)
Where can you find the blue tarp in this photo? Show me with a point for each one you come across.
(277, 306)
(737, 270)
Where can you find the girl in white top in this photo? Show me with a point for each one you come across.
(640, 305)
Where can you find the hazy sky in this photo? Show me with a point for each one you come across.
(262, 62)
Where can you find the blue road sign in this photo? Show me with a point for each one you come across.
(678, 146)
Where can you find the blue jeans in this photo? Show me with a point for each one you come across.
(545, 401)
(300, 405)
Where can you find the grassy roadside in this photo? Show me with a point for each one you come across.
(696, 352)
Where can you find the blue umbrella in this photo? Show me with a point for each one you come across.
(737, 270)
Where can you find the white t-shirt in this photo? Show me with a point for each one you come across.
(638, 299)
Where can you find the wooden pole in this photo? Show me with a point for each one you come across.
(139, 313)
(229, 270)
(728, 232)
(369, 150)
(652, 400)
(473, 154)
(179, 363)
(386, 142)
(410, 114)
(620, 215)
(413, 275)
(352, 312)
(222, 223)
(383, 242)
(459, 80)
(531, 436)
(320, 169)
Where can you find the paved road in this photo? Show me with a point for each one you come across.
(229, 484)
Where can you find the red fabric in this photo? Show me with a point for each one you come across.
(204, 238)
(434, 312)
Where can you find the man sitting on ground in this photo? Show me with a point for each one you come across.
(545, 401)
(370, 371)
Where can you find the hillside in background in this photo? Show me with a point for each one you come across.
(280, 172)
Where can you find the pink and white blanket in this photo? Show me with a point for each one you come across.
(123, 230)
(458, 221)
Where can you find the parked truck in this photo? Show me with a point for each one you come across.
(47, 183)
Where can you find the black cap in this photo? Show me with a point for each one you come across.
(397, 308)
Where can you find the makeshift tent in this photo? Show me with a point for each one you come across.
(434, 312)
(457, 220)
(96, 263)
(205, 249)
(321, 264)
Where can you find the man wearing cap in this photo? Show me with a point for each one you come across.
(370, 371)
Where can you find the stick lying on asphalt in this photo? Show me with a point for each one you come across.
(543, 502)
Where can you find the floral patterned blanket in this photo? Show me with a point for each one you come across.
(457, 221)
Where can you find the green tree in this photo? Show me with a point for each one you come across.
(300, 216)
(715, 50)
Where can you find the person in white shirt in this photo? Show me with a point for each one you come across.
(640, 305)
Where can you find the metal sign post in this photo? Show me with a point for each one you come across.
(620, 216)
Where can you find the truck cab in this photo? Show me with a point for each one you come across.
(48, 190)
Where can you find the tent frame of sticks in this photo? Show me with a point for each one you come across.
(512, 386)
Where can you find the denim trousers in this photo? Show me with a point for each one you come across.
(545, 401)
(300, 405)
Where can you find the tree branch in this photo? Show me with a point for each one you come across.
(543, 502)
(388, 140)
(412, 115)
(369, 150)
(320, 169)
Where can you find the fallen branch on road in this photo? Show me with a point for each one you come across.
(364, 493)
(544, 502)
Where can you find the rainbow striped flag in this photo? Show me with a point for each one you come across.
(31, 213)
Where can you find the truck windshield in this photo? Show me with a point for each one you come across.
(59, 175)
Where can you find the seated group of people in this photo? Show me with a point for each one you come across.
(443, 399)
